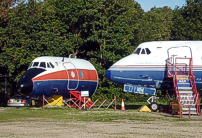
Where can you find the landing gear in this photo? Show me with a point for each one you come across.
(154, 106)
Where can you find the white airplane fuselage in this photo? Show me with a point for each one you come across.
(146, 66)
(58, 76)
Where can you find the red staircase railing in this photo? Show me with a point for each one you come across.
(183, 69)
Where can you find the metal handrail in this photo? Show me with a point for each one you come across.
(172, 70)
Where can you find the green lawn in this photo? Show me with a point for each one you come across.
(73, 114)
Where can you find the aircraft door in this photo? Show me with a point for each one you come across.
(179, 54)
(72, 74)
(181, 51)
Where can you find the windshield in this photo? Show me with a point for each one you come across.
(35, 64)
(42, 64)
(137, 51)
(148, 51)
(51, 65)
(30, 65)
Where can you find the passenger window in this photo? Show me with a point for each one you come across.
(51, 65)
(43, 64)
(143, 51)
(35, 64)
(148, 51)
(81, 74)
(48, 66)
(137, 51)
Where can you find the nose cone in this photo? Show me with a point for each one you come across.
(25, 84)
(108, 74)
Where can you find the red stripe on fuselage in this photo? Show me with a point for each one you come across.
(71, 74)
(138, 65)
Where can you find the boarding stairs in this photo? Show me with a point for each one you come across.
(184, 87)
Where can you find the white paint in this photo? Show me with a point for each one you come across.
(84, 93)
(58, 63)
(158, 56)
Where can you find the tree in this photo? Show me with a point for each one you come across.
(99, 31)
(187, 21)
(33, 31)
(155, 25)
(5, 6)
(110, 26)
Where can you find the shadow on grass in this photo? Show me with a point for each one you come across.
(3, 104)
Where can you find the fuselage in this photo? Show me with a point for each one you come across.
(58, 76)
(146, 66)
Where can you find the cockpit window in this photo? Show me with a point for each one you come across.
(48, 66)
(148, 51)
(143, 51)
(30, 65)
(42, 64)
(35, 64)
(137, 51)
(51, 65)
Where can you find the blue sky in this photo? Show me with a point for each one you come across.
(148, 4)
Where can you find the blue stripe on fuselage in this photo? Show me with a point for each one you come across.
(153, 77)
(59, 87)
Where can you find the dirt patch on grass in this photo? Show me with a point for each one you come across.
(163, 126)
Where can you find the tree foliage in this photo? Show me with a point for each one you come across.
(101, 31)
(155, 25)
(187, 21)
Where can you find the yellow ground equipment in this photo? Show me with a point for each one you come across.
(144, 108)
(56, 100)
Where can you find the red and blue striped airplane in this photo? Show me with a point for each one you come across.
(58, 76)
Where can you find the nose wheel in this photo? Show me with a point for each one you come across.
(153, 105)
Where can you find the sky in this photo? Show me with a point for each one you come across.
(148, 4)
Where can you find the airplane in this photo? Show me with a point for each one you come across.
(152, 67)
(51, 76)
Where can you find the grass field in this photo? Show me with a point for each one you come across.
(73, 114)
(70, 114)
(59, 122)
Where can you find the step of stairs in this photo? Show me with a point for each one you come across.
(184, 84)
(192, 113)
(182, 77)
(185, 88)
(187, 109)
(186, 92)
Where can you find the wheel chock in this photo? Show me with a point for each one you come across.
(144, 108)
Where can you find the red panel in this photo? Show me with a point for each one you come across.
(62, 75)
(53, 76)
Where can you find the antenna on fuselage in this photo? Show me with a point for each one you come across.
(63, 57)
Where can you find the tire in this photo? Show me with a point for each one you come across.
(154, 106)
(27, 105)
